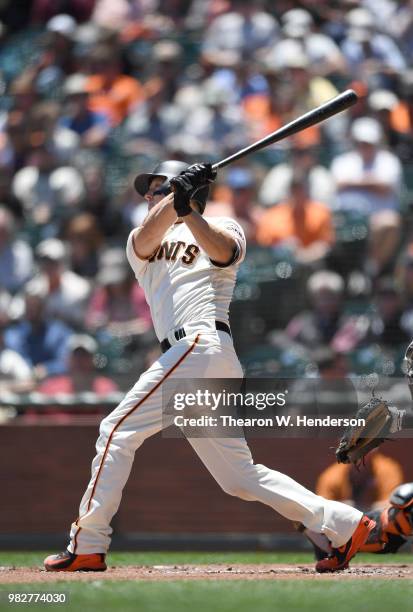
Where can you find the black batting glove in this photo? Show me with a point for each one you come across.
(182, 189)
(200, 174)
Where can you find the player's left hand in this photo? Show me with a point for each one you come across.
(200, 174)
(182, 188)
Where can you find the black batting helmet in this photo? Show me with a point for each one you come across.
(168, 170)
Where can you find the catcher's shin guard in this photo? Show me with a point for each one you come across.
(394, 523)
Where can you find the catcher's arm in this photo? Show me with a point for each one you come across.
(376, 421)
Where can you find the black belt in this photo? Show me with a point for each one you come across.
(181, 333)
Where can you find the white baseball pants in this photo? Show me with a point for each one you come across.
(203, 353)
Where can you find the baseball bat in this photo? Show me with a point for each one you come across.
(314, 116)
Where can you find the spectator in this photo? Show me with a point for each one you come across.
(15, 372)
(387, 109)
(117, 306)
(13, 141)
(111, 93)
(43, 10)
(400, 25)
(210, 123)
(98, 201)
(13, 366)
(302, 225)
(246, 28)
(369, 180)
(387, 323)
(66, 293)
(117, 16)
(327, 386)
(402, 116)
(303, 158)
(41, 341)
(404, 276)
(320, 49)
(241, 201)
(167, 58)
(372, 56)
(325, 323)
(148, 123)
(15, 255)
(82, 375)
(293, 61)
(23, 92)
(47, 191)
(84, 240)
(91, 127)
(43, 127)
(7, 198)
(57, 58)
(306, 89)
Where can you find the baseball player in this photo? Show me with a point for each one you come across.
(187, 266)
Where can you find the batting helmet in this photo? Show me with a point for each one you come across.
(168, 170)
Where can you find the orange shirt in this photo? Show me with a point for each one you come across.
(400, 118)
(114, 100)
(334, 483)
(312, 224)
(262, 121)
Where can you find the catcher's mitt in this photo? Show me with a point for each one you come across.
(380, 420)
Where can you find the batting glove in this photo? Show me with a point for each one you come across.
(200, 174)
(183, 189)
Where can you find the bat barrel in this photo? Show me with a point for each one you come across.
(314, 116)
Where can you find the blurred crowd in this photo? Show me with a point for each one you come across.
(94, 91)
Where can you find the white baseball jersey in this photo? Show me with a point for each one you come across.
(181, 283)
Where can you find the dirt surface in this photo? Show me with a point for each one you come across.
(10, 574)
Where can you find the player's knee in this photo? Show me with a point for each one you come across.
(237, 488)
(106, 426)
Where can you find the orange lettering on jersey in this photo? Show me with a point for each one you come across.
(191, 251)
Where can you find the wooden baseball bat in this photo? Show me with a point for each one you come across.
(316, 115)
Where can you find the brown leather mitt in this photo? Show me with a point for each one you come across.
(375, 422)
